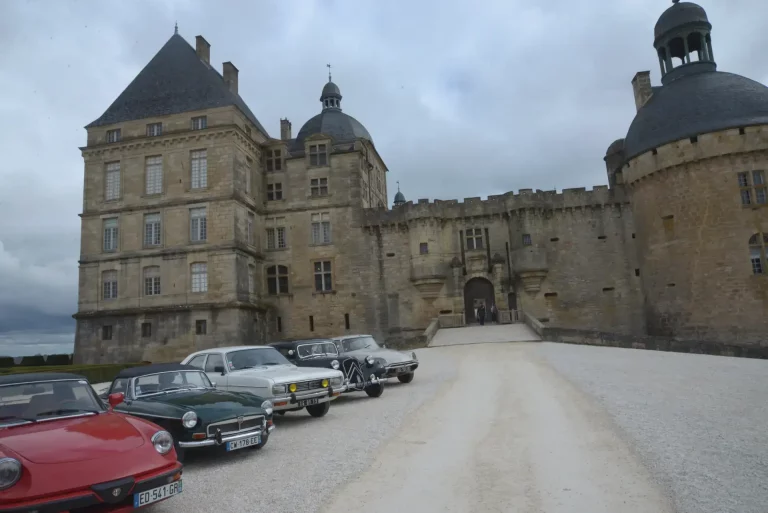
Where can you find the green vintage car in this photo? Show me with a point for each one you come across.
(181, 399)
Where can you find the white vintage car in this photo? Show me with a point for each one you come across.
(263, 371)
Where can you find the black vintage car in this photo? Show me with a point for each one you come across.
(323, 353)
(186, 403)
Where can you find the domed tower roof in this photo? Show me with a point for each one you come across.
(399, 196)
(332, 121)
(694, 97)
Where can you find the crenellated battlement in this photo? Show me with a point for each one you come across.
(497, 204)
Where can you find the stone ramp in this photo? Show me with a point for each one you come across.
(483, 335)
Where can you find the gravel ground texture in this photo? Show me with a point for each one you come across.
(306, 459)
(698, 422)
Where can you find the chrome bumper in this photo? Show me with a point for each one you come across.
(290, 400)
(401, 368)
(224, 439)
(352, 387)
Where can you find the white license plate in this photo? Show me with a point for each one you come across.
(309, 402)
(245, 442)
(156, 494)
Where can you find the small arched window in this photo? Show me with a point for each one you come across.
(277, 280)
(757, 252)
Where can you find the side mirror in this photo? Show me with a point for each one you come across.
(219, 368)
(115, 399)
(291, 354)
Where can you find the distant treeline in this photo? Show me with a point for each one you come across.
(38, 360)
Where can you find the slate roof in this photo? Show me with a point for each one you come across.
(694, 104)
(330, 90)
(678, 15)
(334, 123)
(174, 81)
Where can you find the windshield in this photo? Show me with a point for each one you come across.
(167, 382)
(45, 400)
(315, 349)
(249, 358)
(358, 343)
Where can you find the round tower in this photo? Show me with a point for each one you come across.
(695, 161)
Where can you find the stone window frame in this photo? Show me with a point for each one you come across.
(325, 273)
(198, 224)
(198, 169)
(106, 332)
(275, 191)
(201, 326)
(475, 236)
(146, 329)
(758, 253)
(109, 288)
(113, 179)
(153, 175)
(423, 248)
(110, 234)
(198, 272)
(317, 155)
(153, 230)
(753, 188)
(527, 239)
(274, 160)
(277, 279)
(199, 122)
(113, 136)
(151, 275)
(318, 187)
(154, 129)
(320, 228)
(276, 233)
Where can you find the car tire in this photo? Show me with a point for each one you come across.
(264, 440)
(281, 412)
(406, 378)
(319, 410)
(375, 390)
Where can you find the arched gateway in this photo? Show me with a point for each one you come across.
(477, 291)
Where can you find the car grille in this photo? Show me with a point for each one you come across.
(231, 426)
(303, 386)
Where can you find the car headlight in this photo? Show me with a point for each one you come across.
(413, 354)
(336, 382)
(369, 360)
(163, 442)
(10, 472)
(335, 365)
(267, 407)
(278, 389)
(292, 387)
(324, 383)
(189, 420)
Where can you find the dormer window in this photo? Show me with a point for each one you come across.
(154, 129)
(199, 122)
(113, 136)
(318, 155)
(275, 160)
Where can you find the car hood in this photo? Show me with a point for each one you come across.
(210, 405)
(390, 355)
(289, 373)
(76, 439)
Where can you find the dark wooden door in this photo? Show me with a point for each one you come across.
(477, 291)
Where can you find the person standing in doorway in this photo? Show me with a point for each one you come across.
(494, 314)
(481, 314)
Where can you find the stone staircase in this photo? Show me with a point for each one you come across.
(492, 333)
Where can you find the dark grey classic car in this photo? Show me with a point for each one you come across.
(398, 364)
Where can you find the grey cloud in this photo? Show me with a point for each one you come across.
(461, 99)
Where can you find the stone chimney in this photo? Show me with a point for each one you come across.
(203, 49)
(230, 76)
(641, 85)
(285, 129)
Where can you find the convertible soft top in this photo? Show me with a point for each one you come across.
(37, 377)
(133, 372)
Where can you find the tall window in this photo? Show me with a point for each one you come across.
(249, 228)
(277, 280)
(199, 169)
(318, 186)
(274, 160)
(154, 175)
(423, 248)
(276, 233)
(198, 224)
(251, 279)
(154, 129)
(318, 155)
(112, 181)
(475, 238)
(321, 228)
(758, 244)
(527, 239)
(199, 277)
(152, 229)
(199, 123)
(274, 191)
(110, 234)
(323, 276)
(753, 188)
(152, 280)
(109, 284)
(113, 136)
(248, 174)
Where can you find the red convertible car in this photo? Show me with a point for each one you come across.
(62, 450)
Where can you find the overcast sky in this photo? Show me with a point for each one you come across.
(461, 98)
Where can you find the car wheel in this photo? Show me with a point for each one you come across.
(375, 390)
(281, 412)
(264, 440)
(319, 410)
(406, 378)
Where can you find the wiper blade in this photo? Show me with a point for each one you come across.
(63, 411)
